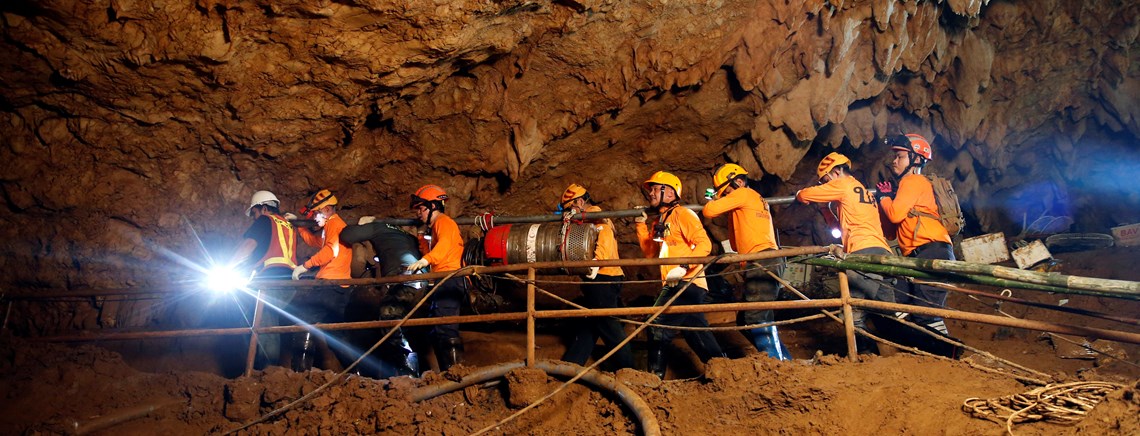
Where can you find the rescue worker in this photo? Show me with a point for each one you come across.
(920, 231)
(861, 228)
(675, 232)
(601, 288)
(444, 247)
(334, 260)
(395, 250)
(269, 247)
(752, 231)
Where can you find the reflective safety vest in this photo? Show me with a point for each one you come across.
(282, 244)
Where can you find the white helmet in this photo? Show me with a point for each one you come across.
(259, 198)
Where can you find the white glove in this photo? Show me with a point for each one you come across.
(418, 265)
(675, 275)
(593, 272)
(290, 217)
(365, 220)
(300, 269)
(641, 218)
(568, 214)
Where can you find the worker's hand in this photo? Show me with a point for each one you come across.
(675, 275)
(641, 218)
(593, 273)
(568, 214)
(290, 217)
(300, 269)
(418, 265)
(367, 219)
(886, 189)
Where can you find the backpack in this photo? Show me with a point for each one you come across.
(949, 210)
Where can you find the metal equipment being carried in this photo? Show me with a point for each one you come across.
(512, 244)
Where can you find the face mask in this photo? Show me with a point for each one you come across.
(321, 219)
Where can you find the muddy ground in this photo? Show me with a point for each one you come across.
(52, 388)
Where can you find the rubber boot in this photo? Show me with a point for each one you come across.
(304, 351)
(767, 340)
(655, 361)
(448, 352)
(865, 345)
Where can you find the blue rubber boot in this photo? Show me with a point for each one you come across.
(767, 340)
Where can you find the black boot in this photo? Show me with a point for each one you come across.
(655, 362)
(304, 351)
(448, 352)
(865, 345)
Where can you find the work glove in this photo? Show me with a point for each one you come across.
(568, 214)
(886, 189)
(368, 219)
(290, 217)
(675, 275)
(418, 265)
(593, 273)
(300, 269)
(641, 218)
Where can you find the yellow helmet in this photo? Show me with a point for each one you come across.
(321, 199)
(574, 191)
(830, 161)
(725, 174)
(663, 178)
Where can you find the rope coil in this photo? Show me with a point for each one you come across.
(1063, 403)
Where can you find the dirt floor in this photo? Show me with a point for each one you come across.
(52, 388)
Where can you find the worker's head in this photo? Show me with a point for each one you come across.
(833, 166)
(575, 197)
(911, 152)
(728, 178)
(428, 200)
(263, 202)
(322, 205)
(662, 189)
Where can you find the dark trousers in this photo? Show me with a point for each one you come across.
(447, 301)
(925, 295)
(759, 286)
(602, 292)
(868, 286)
(702, 342)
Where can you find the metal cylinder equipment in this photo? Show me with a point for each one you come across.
(512, 244)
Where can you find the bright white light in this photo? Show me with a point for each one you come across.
(835, 233)
(223, 279)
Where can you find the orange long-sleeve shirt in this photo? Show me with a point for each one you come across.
(916, 192)
(750, 223)
(446, 246)
(684, 237)
(607, 247)
(334, 258)
(858, 213)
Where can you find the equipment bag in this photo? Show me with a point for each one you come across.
(949, 210)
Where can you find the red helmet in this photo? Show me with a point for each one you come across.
(429, 194)
(913, 143)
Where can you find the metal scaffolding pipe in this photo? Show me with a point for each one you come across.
(1119, 336)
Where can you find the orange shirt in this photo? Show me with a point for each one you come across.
(915, 191)
(446, 246)
(334, 258)
(858, 214)
(684, 237)
(751, 220)
(607, 247)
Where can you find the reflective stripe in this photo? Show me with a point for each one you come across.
(285, 241)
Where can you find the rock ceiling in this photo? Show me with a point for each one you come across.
(128, 123)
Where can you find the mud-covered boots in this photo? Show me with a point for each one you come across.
(767, 340)
(655, 361)
(448, 352)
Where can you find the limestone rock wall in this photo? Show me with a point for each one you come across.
(135, 128)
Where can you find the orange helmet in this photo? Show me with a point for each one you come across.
(664, 178)
(830, 161)
(574, 191)
(725, 174)
(912, 143)
(429, 194)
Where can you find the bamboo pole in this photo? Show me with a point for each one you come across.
(1113, 288)
(252, 352)
(848, 318)
(919, 274)
(1090, 332)
(530, 317)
